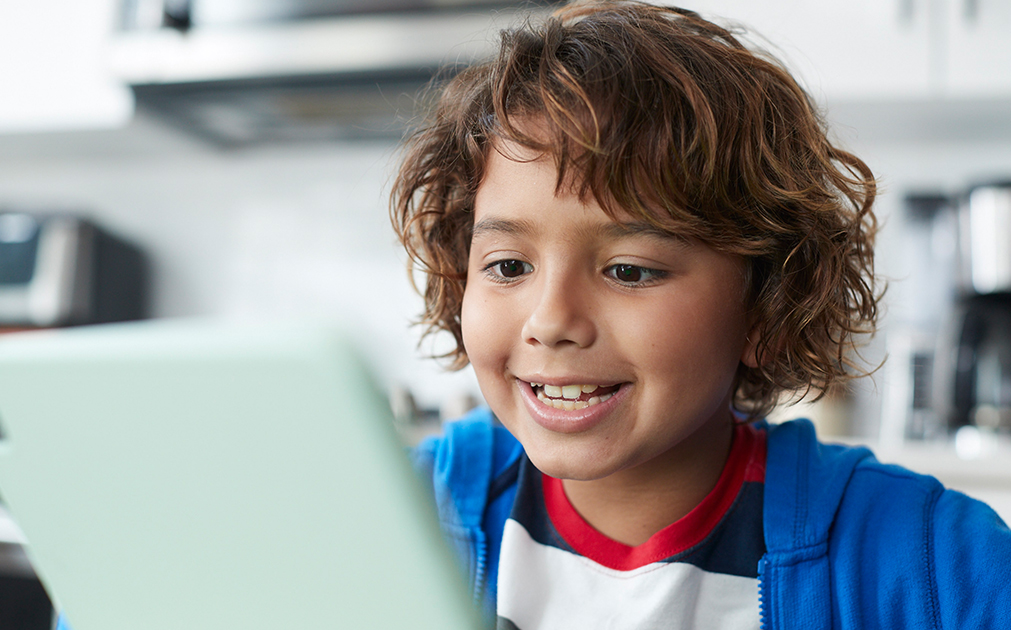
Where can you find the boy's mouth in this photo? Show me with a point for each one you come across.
(572, 397)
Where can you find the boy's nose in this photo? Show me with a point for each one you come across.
(561, 315)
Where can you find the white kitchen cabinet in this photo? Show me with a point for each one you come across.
(854, 50)
(977, 40)
(54, 72)
(884, 50)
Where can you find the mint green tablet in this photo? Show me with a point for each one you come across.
(191, 475)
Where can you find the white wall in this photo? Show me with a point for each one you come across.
(287, 231)
(53, 67)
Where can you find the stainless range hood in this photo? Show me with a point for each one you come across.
(242, 72)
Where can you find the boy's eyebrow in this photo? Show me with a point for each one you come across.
(613, 229)
(501, 226)
(617, 229)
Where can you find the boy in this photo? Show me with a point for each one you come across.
(640, 236)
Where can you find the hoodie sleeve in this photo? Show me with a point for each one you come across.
(972, 564)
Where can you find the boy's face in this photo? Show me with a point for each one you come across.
(642, 332)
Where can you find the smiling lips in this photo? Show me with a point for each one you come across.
(573, 397)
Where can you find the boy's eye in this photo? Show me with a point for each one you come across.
(509, 268)
(632, 274)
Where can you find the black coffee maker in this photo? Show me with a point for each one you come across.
(978, 391)
(981, 391)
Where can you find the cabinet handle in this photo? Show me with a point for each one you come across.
(907, 12)
(176, 14)
(970, 11)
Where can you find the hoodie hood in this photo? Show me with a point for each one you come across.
(807, 487)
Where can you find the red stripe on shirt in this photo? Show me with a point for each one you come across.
(745, 463)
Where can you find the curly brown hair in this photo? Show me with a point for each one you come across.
(669, 118)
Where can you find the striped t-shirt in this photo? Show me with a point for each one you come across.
(557, 572)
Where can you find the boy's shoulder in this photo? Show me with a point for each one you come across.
(816, 490)
(839, 521)
(811, 486)
(474, 445)
(465, 459)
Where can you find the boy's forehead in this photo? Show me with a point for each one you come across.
(515, 164)
(512, 166)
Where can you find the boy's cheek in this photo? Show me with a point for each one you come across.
(477, 327)
(467, 323)
(487, 341)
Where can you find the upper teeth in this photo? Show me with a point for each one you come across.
(550, 395)
(571, 392)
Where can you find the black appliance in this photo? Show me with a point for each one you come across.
(974, 354)
(982, 380)
(60, 270)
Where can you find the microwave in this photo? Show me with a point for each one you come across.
(63, 270)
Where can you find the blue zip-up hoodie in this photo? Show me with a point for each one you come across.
(851, 542)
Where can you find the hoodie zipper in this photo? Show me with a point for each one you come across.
(480, 566)
(763, 601)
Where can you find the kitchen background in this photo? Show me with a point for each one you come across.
(921, 89)
(248, 208)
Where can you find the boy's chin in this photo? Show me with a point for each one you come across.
(573, 467)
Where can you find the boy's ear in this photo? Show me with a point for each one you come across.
(749, 356)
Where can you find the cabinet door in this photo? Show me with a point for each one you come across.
(852, 50)
(54, 73)
(978, 36)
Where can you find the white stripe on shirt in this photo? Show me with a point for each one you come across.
(546, 588)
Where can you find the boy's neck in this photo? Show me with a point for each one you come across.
(632, 505)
